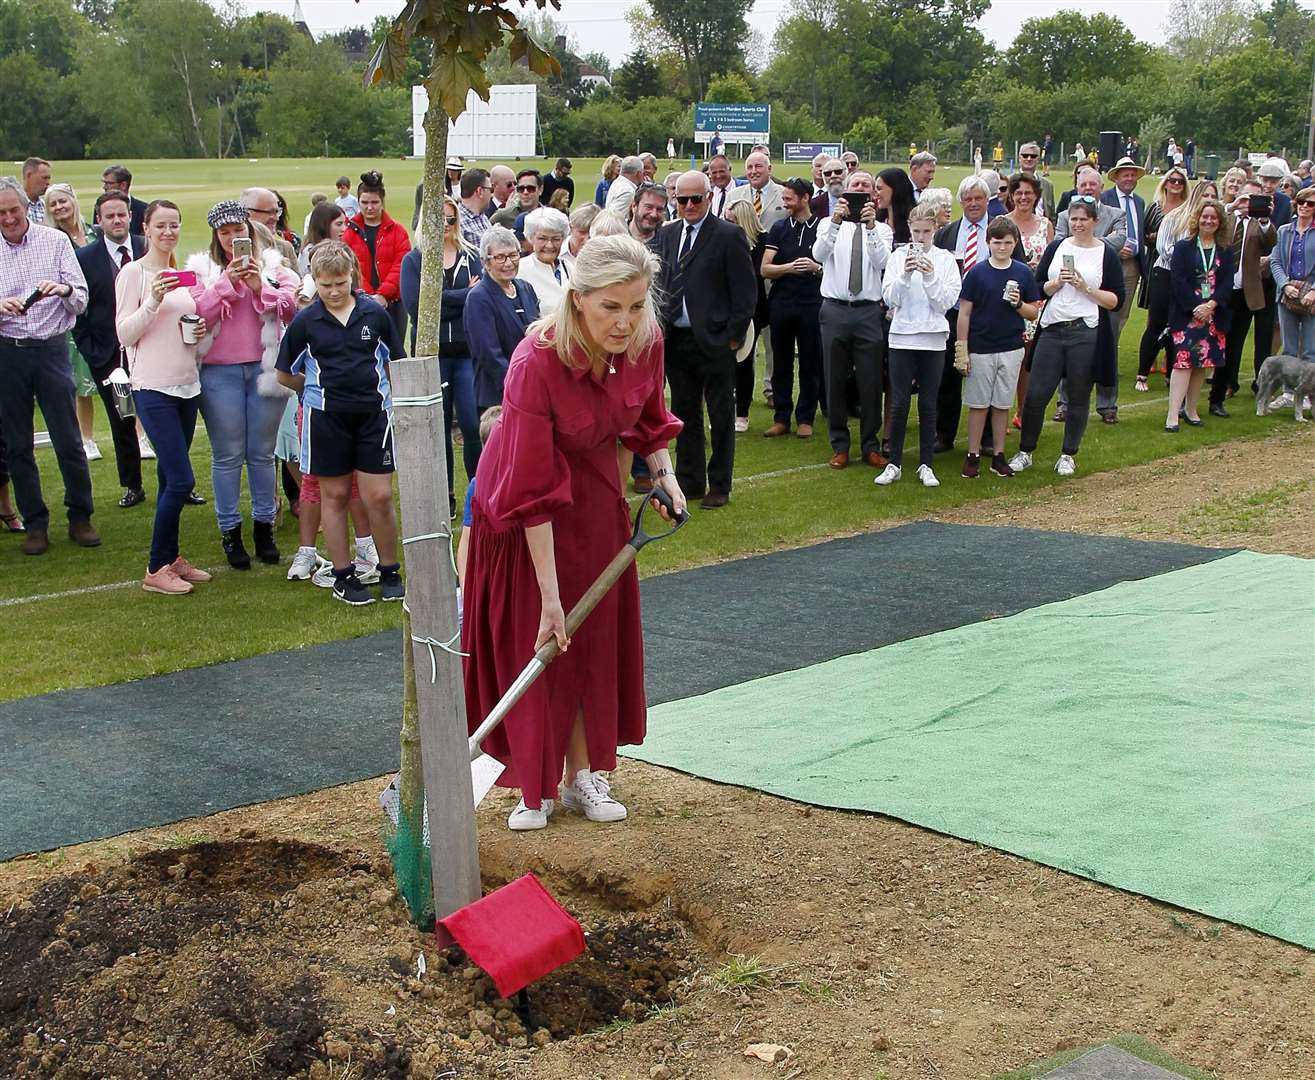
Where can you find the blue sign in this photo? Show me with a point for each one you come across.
(806, 151)
(735, 123)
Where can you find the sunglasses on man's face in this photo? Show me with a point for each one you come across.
(1028, 155)
(697, 200)
(833, 172)
(527, 187)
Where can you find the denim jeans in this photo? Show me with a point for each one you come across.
(41, 373)
(1298, 334)
(169, 423)
(458, 374)
(243, 426)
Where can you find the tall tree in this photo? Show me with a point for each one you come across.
(462, 34)
(1070, 47)
(707, 34)
(638, 77)
(1201, 30)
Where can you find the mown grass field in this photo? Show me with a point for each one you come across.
(197, 185)
(77, 618)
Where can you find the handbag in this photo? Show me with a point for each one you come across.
(1305, 289)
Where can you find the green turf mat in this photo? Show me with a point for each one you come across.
(1158, 736)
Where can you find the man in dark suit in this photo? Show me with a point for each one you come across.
(1252, 296)
(119, 178)
(1124, 198)
(966, 240)
(710, 289)
(823, 204)
(95, 335)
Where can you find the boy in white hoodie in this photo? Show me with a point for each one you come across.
(920, 286)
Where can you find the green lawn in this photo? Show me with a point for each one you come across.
(196, 185)
(784, 495)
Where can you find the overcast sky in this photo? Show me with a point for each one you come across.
(600, 25)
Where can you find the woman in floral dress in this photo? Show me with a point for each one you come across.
(1023, 197)
(1201, 276)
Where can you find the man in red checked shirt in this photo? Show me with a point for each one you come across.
(42, 292)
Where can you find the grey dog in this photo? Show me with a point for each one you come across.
(1280, 373)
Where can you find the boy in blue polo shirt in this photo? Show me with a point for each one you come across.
(335, 355)
(997, 295)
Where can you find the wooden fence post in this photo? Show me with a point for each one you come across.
(431, 600)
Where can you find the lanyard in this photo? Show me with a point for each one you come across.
(1207, 266)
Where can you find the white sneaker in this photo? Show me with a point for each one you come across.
(523, 819)
(889, 475)
(305, 563)
(1020, 461)
(367, 573)
(584, 797)
(144, 445)
(1065, 466)
(1283, 401)
(927, 477)
(602, 782)
(366, 561)
(92, 451)
(741, 424)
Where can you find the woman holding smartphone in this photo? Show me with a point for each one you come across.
(1083, 282)
(155, 318)
(246, 296)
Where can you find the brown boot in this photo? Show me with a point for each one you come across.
(82, 534)
(36, 542)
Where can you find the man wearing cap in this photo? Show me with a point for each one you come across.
(1123, 197)
(1274, 170)
(37, 264)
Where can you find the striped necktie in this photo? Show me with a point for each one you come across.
(970, 248)
(758, 202)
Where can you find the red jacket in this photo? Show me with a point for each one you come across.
(391, 246)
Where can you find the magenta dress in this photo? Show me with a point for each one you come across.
(553, 457)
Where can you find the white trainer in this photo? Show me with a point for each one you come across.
(144, 446)
(1283, 401)
(367, 573)
(927, 477)
(1065, 466)
(305, 563)
(741, 424)
(92, 451)
(366, 561)
(585, 797)
(523, 819)
(889, 475)
(1020, 461)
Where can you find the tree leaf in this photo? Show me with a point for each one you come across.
(389, 61)
(454, 75)
(539, 61)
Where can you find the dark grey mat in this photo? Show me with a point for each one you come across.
(1109, 1063)
(82, 764)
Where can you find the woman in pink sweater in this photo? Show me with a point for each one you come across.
(157, 327)
(246, 302)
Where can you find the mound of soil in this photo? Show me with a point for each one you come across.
(273, 958)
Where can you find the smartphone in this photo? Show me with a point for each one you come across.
(32, 298)
(187, 278)
(915, 250)
(241, 248)
(1068, 263)
(856, 200)
(1260, 206)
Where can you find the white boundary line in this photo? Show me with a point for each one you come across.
(17, 601)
